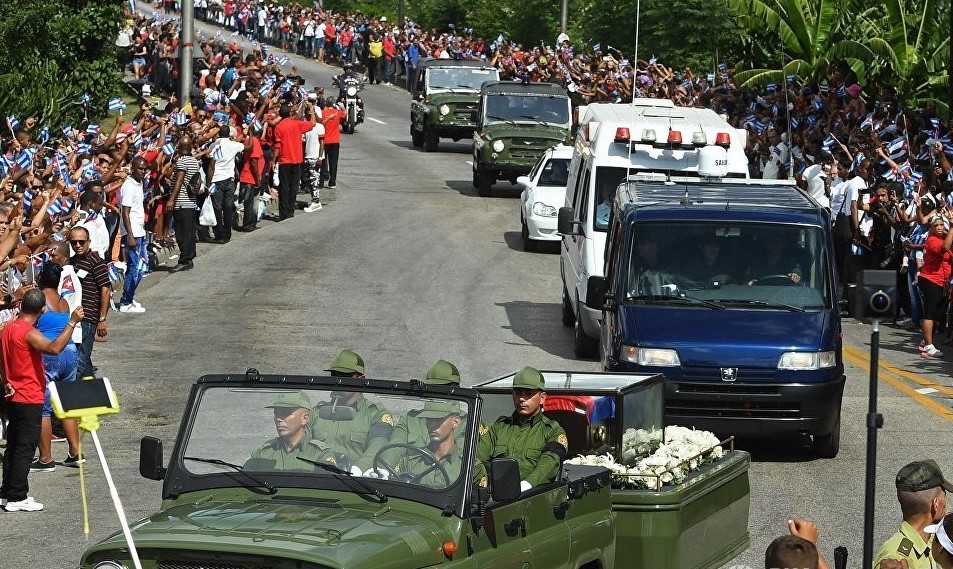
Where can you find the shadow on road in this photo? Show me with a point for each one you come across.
(538, 324)
(500, 190)
(514, 240)
(448, 147)
(779, 449)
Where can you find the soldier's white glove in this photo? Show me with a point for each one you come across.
(524, 486)
(356, 471)
(371, 473)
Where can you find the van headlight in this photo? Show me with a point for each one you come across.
(543, 210)
(498, 145)
(650, 357)
(444, 110)
(807, 360)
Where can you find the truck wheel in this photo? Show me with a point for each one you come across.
(484, 182)
(827, 446)
(583, 346)
(528, 244)
(569, 317)
(416, 137)
(431, 141)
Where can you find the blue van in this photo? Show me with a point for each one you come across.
(726, 287)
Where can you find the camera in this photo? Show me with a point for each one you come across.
(875, 296)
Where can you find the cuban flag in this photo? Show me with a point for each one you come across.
(771, 87)
(38, 260)
(723, 67)
(85, 100)
(137, 140)
(68, 287)
(897, 147)
(12, 123)
(829, 141)
(283, 60)
(68, 131)
(25, 158)
(91, 215)
(867, 122)
(168, 149)
(92, 129)
(61, 168)
(265, 89)
(217, 153)
(114, 275)
(54, 208)
(117, 104)
(256, 125)
(302, 92)
(223, 98)
(83, 148)
(653, 60)
(45, 135)
(180, 119)
(249, 118)
(597, 47)
(791, 78)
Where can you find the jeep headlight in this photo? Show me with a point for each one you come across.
(444, 110)
(543, 210)
(498, 145)
(806, 360)
(109, 565)
(651, 357)
(351, 91)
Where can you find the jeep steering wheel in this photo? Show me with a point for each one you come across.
(428, 457)
(774, 280)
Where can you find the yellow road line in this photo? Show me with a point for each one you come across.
(902, 373)
(891, 378)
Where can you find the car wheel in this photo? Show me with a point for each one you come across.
(431, 141)
(528, 244)
(827, 446)
(484, 182)
(583, 346)
(569, 317)
(416, 137)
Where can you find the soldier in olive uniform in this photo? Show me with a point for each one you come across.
(921, 490)
(441, 420)
(292, 415)
(537, 443)
(359, 435)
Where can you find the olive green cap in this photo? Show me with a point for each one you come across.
(347, 362)
(291, 400)
(443, 373)
(438, 410)
(529, 378)
(921, 475)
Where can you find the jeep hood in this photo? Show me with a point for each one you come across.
(526, 129)
(326, 533)
(447, 97)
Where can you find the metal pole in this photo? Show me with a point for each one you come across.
(564, 15)
(185, 52)
(114, 494)
(874, 421)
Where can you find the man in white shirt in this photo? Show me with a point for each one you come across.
(133, 225)
(313, 157)
(309, 38)
(262, 20)
(776, 158)
(91, 205)
(222, 182)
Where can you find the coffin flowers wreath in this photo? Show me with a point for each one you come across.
(648, 463)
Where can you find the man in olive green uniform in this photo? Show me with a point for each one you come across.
(921, 490)
(537, 443)
(358, 432)
(441, 420)
(292, 415)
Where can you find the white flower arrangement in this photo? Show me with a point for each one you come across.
(647, 463)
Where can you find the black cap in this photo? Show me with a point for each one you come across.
(921, 475)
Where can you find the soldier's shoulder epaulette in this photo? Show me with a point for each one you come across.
(905, 547)
(318, 443)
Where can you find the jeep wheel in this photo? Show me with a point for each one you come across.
(827, 446)
(528, 244)
(569, 317)
(416, 137)
(484, 182)
(431, 141)
(583, 346)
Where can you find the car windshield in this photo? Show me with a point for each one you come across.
(527, 108)
(306, 437)
(470, 78)
(712, 265)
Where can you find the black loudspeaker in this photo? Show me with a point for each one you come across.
(875, 297)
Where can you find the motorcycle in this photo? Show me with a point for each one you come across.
(353, 105)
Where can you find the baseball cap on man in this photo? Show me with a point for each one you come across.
(529, 378)
(438, 410)
(443, 373)
(347, 362)
(290, 400)
(921, 475)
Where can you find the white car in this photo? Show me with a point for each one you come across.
(544, 192)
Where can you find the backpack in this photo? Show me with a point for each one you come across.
(196, 187)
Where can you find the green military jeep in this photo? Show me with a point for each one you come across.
(517, 123)
(445, 97)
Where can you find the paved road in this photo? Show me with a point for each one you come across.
(406, 265)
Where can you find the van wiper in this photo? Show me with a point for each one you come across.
(496, 118)
(381, 497)
(678, 299)
(761, 303)
(219, 462)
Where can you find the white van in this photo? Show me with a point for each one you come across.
(611, 143)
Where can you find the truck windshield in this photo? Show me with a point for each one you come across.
(527, 108)
(737, 266)
(273, 436)
(460, 78)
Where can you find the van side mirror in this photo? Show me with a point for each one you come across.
(504, 479)
(150, 459)
(596, 293)
(566, 222)
(523, 181)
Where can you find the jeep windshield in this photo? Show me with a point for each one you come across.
(459, 78)
(359, 440)
(528, 109)
(750, 266)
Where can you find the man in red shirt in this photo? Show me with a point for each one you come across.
(332, 117)
(24, 385)
(250, 178)
(289, 155)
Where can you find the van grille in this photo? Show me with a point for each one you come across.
(716, 408)
(709, 373)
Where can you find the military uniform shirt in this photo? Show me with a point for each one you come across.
(416, 464)
(274, 453)
(906, 544)
(538, 444)
(360, 438)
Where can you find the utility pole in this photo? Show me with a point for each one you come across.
(401, 8)
(564, 16)
(185, 52)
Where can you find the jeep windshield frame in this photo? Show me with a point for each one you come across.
(451, 79)
(228, 418)
(526, 109)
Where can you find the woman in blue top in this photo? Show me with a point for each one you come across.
(61, 368)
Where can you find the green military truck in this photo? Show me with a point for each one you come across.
(517, 123)
(226, 504)
(445, 98)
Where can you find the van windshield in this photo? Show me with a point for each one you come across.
(741, 265)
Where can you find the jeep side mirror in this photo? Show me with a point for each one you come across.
(504, 479)
(566, 221)
(150, 459)
(596, 293)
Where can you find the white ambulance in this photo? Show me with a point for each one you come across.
(613, 142)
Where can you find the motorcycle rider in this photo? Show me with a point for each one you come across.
(341, 81)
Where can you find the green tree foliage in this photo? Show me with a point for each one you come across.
(54, 52)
